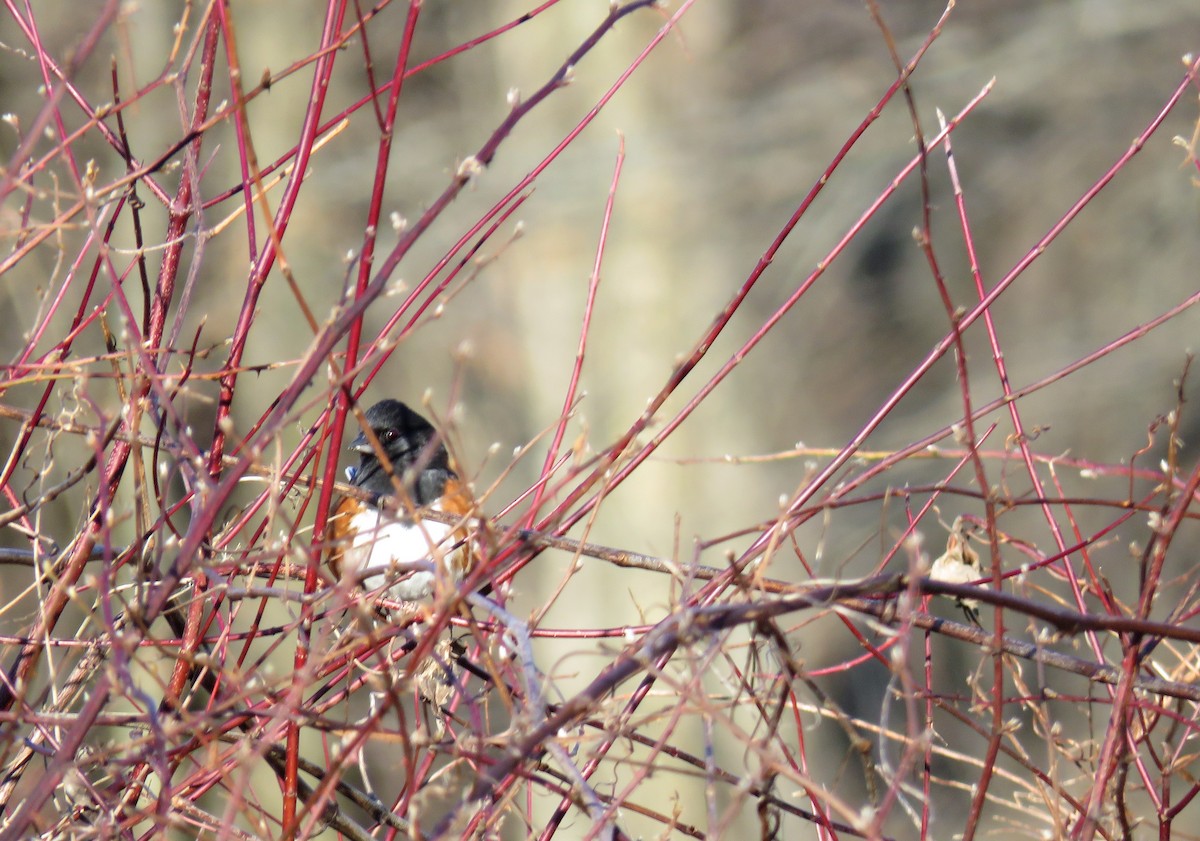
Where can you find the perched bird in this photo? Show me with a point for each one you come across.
(386, 538)
(959, 564)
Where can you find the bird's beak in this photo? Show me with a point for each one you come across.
(361, 445)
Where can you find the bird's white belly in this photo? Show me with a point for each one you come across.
(389, 547)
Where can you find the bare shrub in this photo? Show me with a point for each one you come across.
(782, 375)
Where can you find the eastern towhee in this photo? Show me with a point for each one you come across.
(389, 537)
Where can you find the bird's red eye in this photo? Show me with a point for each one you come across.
(388, 436)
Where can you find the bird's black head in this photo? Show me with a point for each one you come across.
(413, 447)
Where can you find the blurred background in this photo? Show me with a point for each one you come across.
(726, 127)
